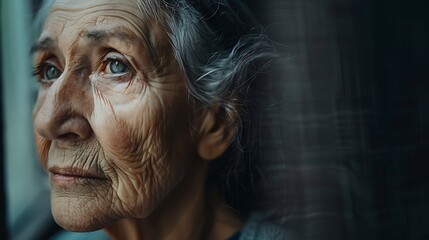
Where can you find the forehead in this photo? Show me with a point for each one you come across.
(73, 17)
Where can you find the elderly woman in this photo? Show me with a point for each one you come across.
(140, 117)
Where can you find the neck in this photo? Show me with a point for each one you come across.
(190, 212)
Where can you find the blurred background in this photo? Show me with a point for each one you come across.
(25, 207)
(344, 134)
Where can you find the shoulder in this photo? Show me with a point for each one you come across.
(257, 227)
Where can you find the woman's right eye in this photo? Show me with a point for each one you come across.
(47, 72)
(51, 72)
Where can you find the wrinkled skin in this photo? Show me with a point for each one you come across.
(131, 131)
(123, 148)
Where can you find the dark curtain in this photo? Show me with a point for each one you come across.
(346, 129)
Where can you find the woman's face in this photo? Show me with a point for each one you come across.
(112, 121)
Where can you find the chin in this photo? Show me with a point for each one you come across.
(80, 213)
(90, 210)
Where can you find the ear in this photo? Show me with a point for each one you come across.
(217, 131)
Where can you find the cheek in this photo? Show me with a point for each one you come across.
(129, 131)
(42, 144)
(145, 142)
(42, 147)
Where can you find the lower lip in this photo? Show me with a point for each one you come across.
(66, 180)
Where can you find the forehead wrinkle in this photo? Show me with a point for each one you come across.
(144, 25)
(87, 14)
(84, 7)
(74, 46)
(116, 10)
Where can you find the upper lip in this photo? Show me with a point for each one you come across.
(75, 172)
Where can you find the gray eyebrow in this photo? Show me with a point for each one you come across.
(49, 43)
(102, 35)
(43, 44)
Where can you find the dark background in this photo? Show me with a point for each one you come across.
(346, 124)
(347, 134)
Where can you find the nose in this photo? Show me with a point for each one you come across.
(61, 110)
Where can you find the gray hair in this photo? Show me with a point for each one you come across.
(220, 48)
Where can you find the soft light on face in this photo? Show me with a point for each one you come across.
(112, 125)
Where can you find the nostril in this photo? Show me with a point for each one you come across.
(69, 137)
(74, 129)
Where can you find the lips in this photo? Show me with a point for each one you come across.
(72, 175)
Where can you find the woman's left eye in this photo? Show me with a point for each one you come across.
(115, 66)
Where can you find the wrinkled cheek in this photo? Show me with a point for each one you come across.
(42, 146)
(103, 118)
(111, 133)
(122, 129)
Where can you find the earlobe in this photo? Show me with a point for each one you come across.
(216, 134)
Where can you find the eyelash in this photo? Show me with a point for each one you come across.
(115, 56)
(39, 71)
(109, 58)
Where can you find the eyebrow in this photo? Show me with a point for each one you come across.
(43, 44)
(99, 36)
(103, 35)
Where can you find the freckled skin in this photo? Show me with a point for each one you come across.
(133, 130)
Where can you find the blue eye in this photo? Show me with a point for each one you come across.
(117, 67)
(51, 72)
